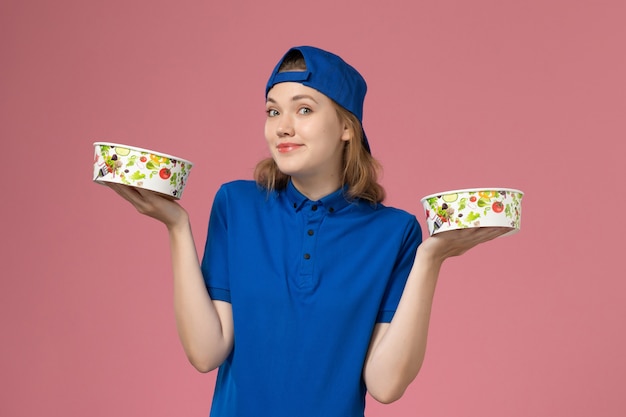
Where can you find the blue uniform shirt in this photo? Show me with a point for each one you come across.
(307, 281)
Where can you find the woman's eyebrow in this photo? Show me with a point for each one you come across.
(303, 96)
(295, 98)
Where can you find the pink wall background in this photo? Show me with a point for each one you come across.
(529, 95)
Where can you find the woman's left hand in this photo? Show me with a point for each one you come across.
(456, 242)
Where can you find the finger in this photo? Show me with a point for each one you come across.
(485, 234)
(499, 231)
(475, 235)
(132, 195)
(148, 194)
(128, 193)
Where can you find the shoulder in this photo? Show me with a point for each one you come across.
(241, 186)
(412, 226)
(242, 197)
(386, 213)
(393, 211)
(387, 219)
(240, 189)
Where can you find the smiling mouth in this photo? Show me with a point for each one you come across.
(287, 147)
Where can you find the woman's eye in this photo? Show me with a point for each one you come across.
(304, 110)
(271, 112)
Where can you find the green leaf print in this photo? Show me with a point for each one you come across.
(473, 216)
(137, 175)
(462, 203)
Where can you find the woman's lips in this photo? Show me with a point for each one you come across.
(287, 147)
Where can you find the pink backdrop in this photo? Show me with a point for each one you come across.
(524, 94)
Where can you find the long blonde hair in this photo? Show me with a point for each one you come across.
(359, 169)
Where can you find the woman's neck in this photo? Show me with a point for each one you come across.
(316, 189)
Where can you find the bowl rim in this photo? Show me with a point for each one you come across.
(136, 148)
(467, 190)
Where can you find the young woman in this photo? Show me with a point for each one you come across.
(310, 292)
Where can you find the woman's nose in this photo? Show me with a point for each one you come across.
(285, 127)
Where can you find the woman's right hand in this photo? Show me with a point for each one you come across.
(152, 204)
(205, 327)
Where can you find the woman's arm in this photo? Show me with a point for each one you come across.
(205, 327)
(397, 349)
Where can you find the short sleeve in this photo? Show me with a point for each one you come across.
(401, 270)
(215, 260)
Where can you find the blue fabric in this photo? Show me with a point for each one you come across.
(330, 75)
(307, 281)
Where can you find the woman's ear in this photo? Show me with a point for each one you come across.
(347, 133)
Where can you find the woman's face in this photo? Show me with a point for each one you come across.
(305, 134)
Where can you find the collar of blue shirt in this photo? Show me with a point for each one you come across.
(332, 202)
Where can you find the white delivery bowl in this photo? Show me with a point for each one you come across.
(475, 207)
(142, 168)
